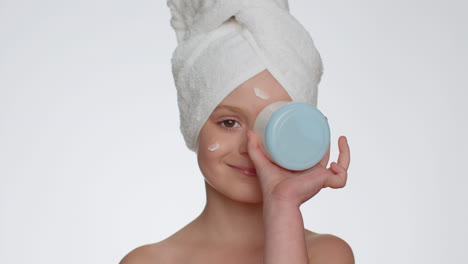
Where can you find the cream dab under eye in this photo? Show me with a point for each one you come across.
(214, 146)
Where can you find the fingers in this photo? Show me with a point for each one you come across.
(344, 156)
(340, 169)
(338, 178)
(256, 155)
(304, 185)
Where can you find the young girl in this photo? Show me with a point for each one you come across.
(225, 73)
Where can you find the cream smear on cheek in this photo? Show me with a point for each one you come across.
(214, 146)
(260, 93)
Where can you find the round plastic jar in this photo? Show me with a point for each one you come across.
(295, 136)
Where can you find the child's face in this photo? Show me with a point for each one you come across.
(222, 150)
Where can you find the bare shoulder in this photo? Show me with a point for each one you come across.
(177, 248)
(330, 249)
(151, 253)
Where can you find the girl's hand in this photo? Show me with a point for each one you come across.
(296, 187)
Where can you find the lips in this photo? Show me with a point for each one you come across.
(247, 171)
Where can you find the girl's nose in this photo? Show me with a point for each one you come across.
(243, 141)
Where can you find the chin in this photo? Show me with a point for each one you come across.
(247, 199)
(242, 193)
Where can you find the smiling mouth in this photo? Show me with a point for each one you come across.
(247, 171)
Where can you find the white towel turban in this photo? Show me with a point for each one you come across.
(223, 43)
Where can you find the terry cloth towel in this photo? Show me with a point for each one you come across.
(223, 43)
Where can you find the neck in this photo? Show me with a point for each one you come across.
(230, 221)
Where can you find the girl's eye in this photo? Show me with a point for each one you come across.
(229, 123)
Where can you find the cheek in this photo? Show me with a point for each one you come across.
(214, 146)
(213, 150)
(217, 145)
(213, 140)
(211, 154)
(209, 146)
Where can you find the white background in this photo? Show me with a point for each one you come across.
(92, 162)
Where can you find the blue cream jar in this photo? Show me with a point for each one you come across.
(295, 136)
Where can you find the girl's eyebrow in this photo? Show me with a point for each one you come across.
(231, 108)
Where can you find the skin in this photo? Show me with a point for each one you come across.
(251, 219)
